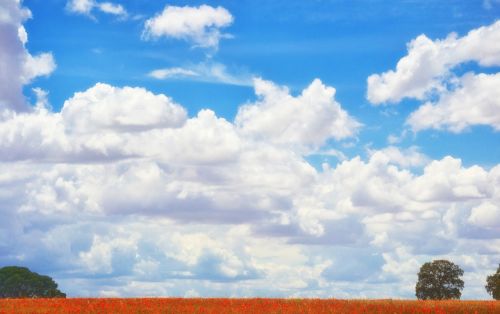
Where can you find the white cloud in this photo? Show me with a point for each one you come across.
(91, 125)
(19, 67)
(123, 191)
(112, 8)
(306, 121)
(486, 215)
(122, 194)
(475, 101)
(198, 25)
(410, 157)
(125, 109)
(388, 221)
(85, 7)
(80, 6)
(41, 65)
(210, 72)
(426, 68)
(172, 73)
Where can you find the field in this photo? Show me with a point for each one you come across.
(257, 305)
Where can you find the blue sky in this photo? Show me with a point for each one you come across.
(288, 42)
(249, 148)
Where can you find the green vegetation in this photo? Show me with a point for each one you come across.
(493, 284)
(20, 282)
(439, 280)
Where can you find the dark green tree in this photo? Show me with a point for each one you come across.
(20, 282)
(439, 280)
(493, 284)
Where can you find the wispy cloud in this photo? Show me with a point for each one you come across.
(488, 4)
(210, 72)
(162, 74)
(86, 7)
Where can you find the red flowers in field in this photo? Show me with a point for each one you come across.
(257, 305)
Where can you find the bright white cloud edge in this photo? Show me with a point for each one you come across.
(200, 26)
(426, 74)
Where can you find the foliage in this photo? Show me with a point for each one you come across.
(439, 280)
(20, 282)
(493, 284)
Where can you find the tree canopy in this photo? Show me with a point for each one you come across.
(20, 282)
(439, 280)
(493, 284)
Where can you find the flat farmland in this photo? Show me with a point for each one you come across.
(251, 305)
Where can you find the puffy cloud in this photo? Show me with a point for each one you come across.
(123, 191)
(390, 230)
(305, 121)
(85, 7)
(427, 65)
(407, 158)
(107, 107)
(475, 101)
(91, 125)
(41, 65)
(19, 67)
(486, 215)
(199, 25)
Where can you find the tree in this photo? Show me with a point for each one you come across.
(493, 284)
(439, 280)
(20, 282)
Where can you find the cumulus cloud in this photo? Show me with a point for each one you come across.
(451, 102)
(486, 215)
(121, 192)
(475, 101)
(19, 67)
(406, 158)
(198, 25)
(107, 107)
(426, 67)
(307, 120)
(85, 7)
(91, 125)
(123, 225)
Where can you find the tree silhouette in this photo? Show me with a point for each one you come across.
(20, 282)
(439, 280)
(493, 284)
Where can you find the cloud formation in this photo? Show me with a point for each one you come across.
(177, 205)
(475, 101)
(307, 120)
(85, 7)
(19, 67)
(426, 67)
(121, 193)
(197, 25)
(452, 102)
(209, 72)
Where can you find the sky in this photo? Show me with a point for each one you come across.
(322, 148)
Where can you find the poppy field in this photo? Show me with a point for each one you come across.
(254, 305)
